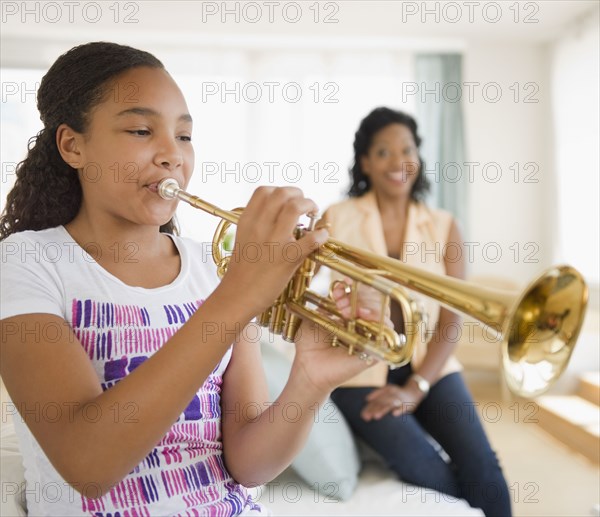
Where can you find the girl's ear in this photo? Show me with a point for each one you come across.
(68, 143)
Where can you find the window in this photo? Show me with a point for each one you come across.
(260, 117)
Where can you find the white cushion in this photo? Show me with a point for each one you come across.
(378, 493)
(329, 460)
(12, 477)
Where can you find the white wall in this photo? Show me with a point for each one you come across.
(575, 76)
(509, 205)
(575, 108)
(558, 215)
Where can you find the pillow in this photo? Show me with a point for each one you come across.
(12, 475)
(329, 462)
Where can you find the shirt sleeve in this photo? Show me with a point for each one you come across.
(29, 282)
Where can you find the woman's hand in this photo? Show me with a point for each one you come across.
(393, 399)
(266, 253)
(323, 367)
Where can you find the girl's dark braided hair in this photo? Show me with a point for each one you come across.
(47, 192)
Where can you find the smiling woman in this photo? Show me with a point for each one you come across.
(392, 410)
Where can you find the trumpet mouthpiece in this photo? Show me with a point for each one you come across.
(168, 188)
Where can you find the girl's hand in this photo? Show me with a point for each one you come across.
(369, 304)
(266, 253)
(319, 367)
(323, 367)
(393, 399)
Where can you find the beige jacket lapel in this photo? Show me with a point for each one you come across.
(371, 226)
(418, 231)
(418, 225)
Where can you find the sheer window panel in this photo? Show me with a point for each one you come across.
(339, 88)
(241, 143)
(302, 136)
(220, 144)
(19, 120)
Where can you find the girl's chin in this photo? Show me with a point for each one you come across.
(156, 219)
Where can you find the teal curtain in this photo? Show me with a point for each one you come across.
(439, 114)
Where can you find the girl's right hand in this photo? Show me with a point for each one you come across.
(266, 254)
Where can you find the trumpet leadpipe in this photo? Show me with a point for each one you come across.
(169, 189)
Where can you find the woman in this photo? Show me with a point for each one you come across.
(395, 411)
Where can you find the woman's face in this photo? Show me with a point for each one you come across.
(392, 161)
(139, 135)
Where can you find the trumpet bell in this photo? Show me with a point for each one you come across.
(543, 328)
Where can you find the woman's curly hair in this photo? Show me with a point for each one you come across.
(375, 121)
(47, 192)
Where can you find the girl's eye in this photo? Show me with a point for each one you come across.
(185, 138)
(382, 152)
(139, 132)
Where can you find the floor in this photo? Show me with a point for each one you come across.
(544, 476)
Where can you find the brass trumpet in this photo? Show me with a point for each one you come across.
(538, 327)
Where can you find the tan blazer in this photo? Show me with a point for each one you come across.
(357, 222)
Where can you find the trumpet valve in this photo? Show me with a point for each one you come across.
(314, 217)
(265, 318)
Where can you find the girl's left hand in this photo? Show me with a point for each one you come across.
(325, 367)
(397, 400)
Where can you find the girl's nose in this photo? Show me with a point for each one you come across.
(169, 154)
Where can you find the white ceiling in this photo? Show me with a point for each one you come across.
(392, 18)
(361, 23)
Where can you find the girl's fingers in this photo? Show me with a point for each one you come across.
(338, 292)
(342, 287)
(365, 312)
(311, 241)
(276, 210)
(270, 219)
(290, 212)
(259, 209)
(369, 310)
(266, 202)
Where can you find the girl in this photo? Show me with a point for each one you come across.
(116, 338)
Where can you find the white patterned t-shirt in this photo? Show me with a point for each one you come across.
(120, 327)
